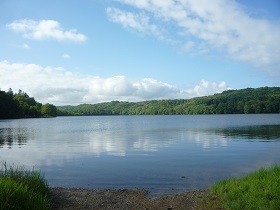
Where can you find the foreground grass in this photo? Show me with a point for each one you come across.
(22, 189)
(258, 190)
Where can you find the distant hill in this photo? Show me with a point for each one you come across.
(244, 101)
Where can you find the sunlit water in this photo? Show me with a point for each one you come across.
(162, 154)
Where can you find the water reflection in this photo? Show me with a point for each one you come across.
(142, 151)
(119, 144)
(14, 136)
(208, 141)
(54, 141)
(263, 132)
(220, 137)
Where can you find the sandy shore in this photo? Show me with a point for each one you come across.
(120, 199)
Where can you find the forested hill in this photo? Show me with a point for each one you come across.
(20, 105)
(245, 101)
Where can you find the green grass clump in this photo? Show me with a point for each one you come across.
(258, 190)
(22, 189)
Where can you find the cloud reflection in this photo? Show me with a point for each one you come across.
(208, 141)
(34, 144)
(120, 144)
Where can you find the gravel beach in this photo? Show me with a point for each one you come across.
(63, 199)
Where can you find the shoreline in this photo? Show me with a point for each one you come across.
(75, 198)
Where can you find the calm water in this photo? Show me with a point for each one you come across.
(163, 154)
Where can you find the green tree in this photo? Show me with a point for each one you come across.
(49, 110)
(8, 107)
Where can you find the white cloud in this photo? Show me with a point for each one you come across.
(60, 87)
(139, 22)
(221, 24)
(66, 56)
(25, 46)
(45, 29)
(205, 88)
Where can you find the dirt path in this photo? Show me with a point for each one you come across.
(63, 199)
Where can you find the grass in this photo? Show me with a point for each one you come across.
(258, 190)
(22, 189)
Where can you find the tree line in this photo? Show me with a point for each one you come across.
(20, 105)
(244, 101)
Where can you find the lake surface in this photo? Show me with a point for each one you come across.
(163, 154)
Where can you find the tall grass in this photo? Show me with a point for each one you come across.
(258, 190)
(22, 189)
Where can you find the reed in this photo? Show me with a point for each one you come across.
(22, 189)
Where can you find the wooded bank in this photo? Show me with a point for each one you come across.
(244, 101)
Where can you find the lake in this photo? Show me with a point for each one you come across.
(162, 154)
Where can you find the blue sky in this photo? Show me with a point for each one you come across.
(91, 51)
